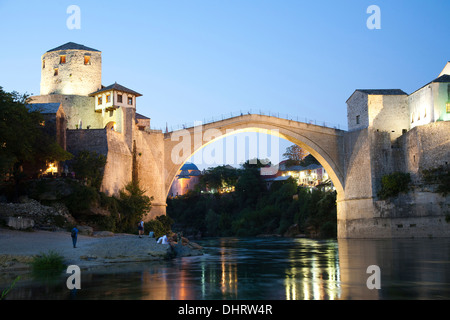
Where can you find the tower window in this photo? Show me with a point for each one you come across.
(130, 101)
(43, 64)
(99, 100)
(108, 98)
(62, 59)
(119, 98)
(447, 107)
(357, 119)
(56, 72)
(87, 60)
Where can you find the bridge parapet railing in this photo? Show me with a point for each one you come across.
(230, 115)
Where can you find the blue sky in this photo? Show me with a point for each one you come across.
(193, 60)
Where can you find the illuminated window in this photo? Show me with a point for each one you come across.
(99, 100)
(447, 105)
(56, 72)
(62, 59)
(119, 98)
(108, 98)
(130, 100)
(87, 60)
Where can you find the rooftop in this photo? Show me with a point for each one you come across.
(72, 46)
(45, 108)
(443, 78)
(387, 92)
(116, 87)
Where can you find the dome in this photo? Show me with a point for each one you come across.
(188, 166)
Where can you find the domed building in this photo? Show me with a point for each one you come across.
(186, 179)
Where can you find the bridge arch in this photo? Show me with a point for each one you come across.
(322, 142)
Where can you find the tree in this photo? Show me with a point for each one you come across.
(89, 166)
(256, 163)
(219, 177)
(294, 155)
(133, 205)
(24, 140)
(309, 159)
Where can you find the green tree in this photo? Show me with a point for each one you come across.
(133, 205)
(256, 163)
(249, 187)
(294, 155)
(25, 142)
(393, 184)
(89, 166)
(218, 177)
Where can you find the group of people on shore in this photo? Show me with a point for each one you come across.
(163, 240)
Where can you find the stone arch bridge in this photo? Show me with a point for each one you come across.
(324, 143)
(355, 160)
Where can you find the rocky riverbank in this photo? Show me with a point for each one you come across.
(17, 248)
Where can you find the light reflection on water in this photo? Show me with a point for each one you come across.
(267, 269)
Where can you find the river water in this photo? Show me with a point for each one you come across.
(267, 269)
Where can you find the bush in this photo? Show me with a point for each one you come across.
(393, 184)
(133, 204)
(89, 167)
(161, 225)
(439, 176)
(51, 262)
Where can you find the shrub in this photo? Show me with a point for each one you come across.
(133, 204)
(89, 166)
(439, 176)
(161, 225)
(7, 290)
(51, 262)
(393, 184)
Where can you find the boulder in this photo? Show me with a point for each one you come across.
(85, 230)
(103, 234)
(19, 223)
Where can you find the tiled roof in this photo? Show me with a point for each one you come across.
(116, 87)
(140, 116)
(387, 92)
(45, 108)
(443, 78)
(72, 46)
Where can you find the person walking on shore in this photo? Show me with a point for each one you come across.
(141, 228)
(74, 235)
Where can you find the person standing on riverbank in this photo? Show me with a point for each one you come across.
(74, 235)
(141, 228)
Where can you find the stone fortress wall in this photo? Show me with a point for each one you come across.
(71, 72)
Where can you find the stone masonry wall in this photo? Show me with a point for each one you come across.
(371, 154)
(150, 167)
(74, 77)
(76, 108)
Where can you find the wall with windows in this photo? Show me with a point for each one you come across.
(71, 72)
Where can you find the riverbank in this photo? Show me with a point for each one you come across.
(17, 248)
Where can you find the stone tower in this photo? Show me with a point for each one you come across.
(71, 69)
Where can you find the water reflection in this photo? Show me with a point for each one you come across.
(314, 271)
(267, 269)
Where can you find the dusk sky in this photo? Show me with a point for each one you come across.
(193, 60)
